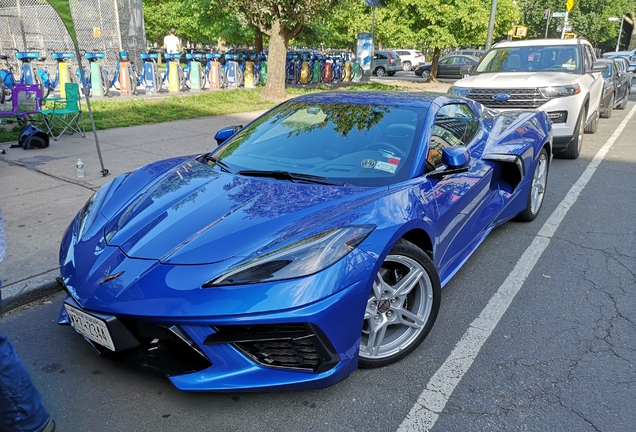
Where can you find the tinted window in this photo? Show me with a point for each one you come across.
(455, 125)
(363, 145)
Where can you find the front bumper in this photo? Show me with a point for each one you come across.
(302, 343)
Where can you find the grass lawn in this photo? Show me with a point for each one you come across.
(123, 112)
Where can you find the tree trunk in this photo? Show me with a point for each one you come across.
(434, 64)
(632, 41)
(258, 40)
(276, 57)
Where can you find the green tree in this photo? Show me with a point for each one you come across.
(281, 21)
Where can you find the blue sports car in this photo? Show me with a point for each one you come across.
(314, 240)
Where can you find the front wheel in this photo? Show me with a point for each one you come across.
(182, 79)
(380, 72)
(574, 148)
(538, 186)
(105, 81)
(133, 81)
(402, 306)
(426, 74)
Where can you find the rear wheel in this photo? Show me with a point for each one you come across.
(537, 188)
(402, 306)
(609, 108)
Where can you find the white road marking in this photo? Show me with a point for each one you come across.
(439, 389)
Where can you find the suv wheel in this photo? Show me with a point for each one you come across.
(380, 72)
(574, 148)
(610, 107)
(406, 66)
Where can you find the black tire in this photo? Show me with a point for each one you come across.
(574, 148)
(182, 79)
(105, 81)
(406, 66)
(623, 104)
(380, 71)
(133, 80)
(538, 185)
(390, 73)
(426, 74)
(592, 126)
(609, 108)
(406, 289)
(3, 94)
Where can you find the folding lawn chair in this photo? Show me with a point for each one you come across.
(66, 113)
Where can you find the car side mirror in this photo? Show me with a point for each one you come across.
(466, 70)
(455, 159)
(598, 66)
(225, 133)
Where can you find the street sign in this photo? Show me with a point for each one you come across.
(546, 14)
(567, 28)
(569, 4)
(558, 14)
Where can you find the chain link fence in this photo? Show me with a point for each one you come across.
(108, 26)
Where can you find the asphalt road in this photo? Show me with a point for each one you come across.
(561, 358)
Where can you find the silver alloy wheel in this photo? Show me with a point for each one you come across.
(396, 313)
(426, 74)
(539, 182)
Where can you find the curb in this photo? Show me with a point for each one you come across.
(25, 291)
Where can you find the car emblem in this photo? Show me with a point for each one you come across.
(384, 306)
(368, 163)
(108, 277)
(501, 97)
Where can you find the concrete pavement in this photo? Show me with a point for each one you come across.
(40, 192)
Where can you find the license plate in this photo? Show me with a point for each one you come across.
(91, 327)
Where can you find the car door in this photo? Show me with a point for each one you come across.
(443, 67)
(465, 202)
(454, 68)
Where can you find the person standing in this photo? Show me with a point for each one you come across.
(21, 408)
(171, 43)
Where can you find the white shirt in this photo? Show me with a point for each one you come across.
(172, 44)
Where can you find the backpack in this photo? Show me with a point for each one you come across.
(31, 137)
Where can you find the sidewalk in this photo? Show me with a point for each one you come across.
(40, 193)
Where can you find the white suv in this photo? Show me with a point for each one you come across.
(411, 59)
(558, 76)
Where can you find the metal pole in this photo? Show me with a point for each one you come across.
(547, 24)
(491, 24)
(565, 24)
(618, 41)
(88, 106)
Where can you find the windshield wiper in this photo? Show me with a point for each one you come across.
(222, 165)
(286, 175)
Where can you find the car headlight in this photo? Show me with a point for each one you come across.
(560, 91)
(459, 91)
(89, 212)
(302, 258)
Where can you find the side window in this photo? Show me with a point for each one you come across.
(446, 61)
(455, 125)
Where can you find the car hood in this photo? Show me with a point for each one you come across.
(505, 80)
(195, 214)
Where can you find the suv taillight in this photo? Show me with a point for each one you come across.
(390, 58)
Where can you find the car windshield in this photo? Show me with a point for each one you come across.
(531, 59)
(343, 143)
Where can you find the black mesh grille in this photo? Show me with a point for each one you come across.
(292, 346)
(525, 98)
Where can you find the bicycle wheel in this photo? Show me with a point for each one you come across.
(105, 81)
(182, 79)
(202, 78)
(3, 95)
(37, 80)
(156, 79)
(257, 77)
(132, 75)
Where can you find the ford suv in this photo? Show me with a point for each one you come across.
(558, 76)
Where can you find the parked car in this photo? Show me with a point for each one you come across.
(310, 242)
(624, 64)
(616, 87)
(411, 59)
(471, 52)
(385, 63)
(558, 76)
(629, 55)
(448, 67)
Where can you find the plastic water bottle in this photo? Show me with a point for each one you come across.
(80, 168)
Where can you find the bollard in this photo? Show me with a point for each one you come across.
(195, 71)
(96, 80)
(213, 75)
(173, 76)
(249, 74)
(347, 71)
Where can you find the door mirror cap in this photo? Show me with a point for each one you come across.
(466, 70)
(456, 157)
(225, 133)
(598, 66)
